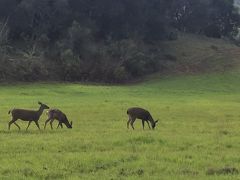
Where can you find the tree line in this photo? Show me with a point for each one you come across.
(102, 41)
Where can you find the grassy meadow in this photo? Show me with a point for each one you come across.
(197, 137)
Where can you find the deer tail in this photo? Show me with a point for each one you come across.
(9, 111)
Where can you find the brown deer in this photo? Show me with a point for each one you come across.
(58, 115)
(139, 113)
(27, 115)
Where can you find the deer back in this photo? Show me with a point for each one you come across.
(139, 113)
(23, 114)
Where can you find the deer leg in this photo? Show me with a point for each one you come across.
(133, 120)
(28, 125)
(51, 123)
(17, 125)
(59, 124)
(143, 124)
(129, 120)
(128, 123)
(148, 125)
(37, 124)
(46, 122)
(10, 123)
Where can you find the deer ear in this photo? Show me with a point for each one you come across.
(39, 103)
(156, 121)
(71, 123)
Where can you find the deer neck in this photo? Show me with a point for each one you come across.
(67, 123)
(40, 111)
(151, 120)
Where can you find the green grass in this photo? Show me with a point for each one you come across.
(196, 138)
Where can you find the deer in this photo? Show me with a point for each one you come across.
(59, 116)
(142, 114)
(27, 115)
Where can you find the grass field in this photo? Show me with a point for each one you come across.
(198, 136)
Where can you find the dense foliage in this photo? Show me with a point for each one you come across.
(92, 40)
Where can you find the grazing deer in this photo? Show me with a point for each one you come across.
(27, 115)
(58, 115)
(139, 113)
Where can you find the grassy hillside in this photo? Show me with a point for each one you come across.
(193, 54)
(197, 136)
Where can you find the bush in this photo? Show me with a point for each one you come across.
(29, 69)
(135, 57)
(120, 74)
(22, 70)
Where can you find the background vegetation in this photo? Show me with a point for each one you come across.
(91, 40)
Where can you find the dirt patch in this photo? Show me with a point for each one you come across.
(223, 171)
(131, 172)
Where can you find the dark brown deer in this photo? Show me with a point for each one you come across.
(59, 116)
(27, 115)
(139, 113)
